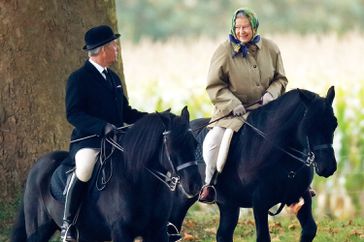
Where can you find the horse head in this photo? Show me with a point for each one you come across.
(179, 149)
(317, 131)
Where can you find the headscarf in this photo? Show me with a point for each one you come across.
(238, 46)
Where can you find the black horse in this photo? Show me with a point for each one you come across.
(134, 202)
(272, 160)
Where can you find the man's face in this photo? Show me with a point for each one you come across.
(110, 52)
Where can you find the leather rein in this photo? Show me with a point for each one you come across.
(171, 178)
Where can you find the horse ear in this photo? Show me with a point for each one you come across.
(330, 95)
(165, 117)
(304, 97)
(185, 114)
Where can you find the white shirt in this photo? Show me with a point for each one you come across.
(98, 67)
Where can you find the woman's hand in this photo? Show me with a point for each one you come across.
(267, 97)
(239, 110)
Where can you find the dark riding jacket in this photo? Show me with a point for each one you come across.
(91, 103)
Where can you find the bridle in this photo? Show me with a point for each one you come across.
(171, 178)
(307, 157)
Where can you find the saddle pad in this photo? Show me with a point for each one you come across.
(59, 181)
(199, 134)
(100, 177)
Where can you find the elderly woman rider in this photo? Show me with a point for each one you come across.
(245, 71)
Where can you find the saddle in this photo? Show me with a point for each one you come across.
(61, 176)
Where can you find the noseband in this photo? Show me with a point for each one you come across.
(171, 179)
(308, 154)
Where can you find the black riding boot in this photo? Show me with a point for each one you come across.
(74, 196)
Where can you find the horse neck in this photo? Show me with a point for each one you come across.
(286, 119)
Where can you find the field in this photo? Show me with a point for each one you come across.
(173, 71)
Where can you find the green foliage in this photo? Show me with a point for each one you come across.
(8, 210)
(349, 104)
(161, 19)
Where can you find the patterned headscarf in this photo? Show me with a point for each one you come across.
(238, 46)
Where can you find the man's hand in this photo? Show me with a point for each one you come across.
(239, 110)
(109, 129)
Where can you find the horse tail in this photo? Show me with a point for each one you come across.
(18, 233)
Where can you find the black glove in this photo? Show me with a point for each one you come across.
(109, 129)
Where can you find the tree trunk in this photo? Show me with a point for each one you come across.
(41, 44)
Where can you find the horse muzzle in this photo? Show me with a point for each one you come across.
(326, 167)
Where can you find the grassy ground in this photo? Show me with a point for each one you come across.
(201, 224)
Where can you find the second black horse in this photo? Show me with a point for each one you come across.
(272, 160)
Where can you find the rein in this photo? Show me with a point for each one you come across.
(171, 179)
(95, 135)
(105, 157)
(308, 152)
(248, 108)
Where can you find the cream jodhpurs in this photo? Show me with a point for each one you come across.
(215, 149)
(85, 160)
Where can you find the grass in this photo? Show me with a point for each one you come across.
(201, 225)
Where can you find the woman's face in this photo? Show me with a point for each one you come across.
(243, 29)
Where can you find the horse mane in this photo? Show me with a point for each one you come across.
(279, 121)
(144, 140)
(141, 142)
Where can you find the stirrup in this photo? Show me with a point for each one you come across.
(70, 237)
(214, 197)
(173, 234)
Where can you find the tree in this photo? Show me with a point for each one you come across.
(41, 44)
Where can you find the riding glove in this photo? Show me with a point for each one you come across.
(267, 97)
(109, 129)
(239, 110)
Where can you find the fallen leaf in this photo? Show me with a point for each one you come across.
(188, 237)
(292, 227)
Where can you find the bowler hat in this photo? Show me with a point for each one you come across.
(98, 36)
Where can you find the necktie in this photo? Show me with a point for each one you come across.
(109, 79)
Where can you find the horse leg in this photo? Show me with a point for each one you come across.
(157, 232)
(18, 233)
(178, 213)
(306, 219)
(229, 216)
(44, 233)
(260, 211)
(120, 233)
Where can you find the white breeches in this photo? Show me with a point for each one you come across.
(85, 160)
(215, 149)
